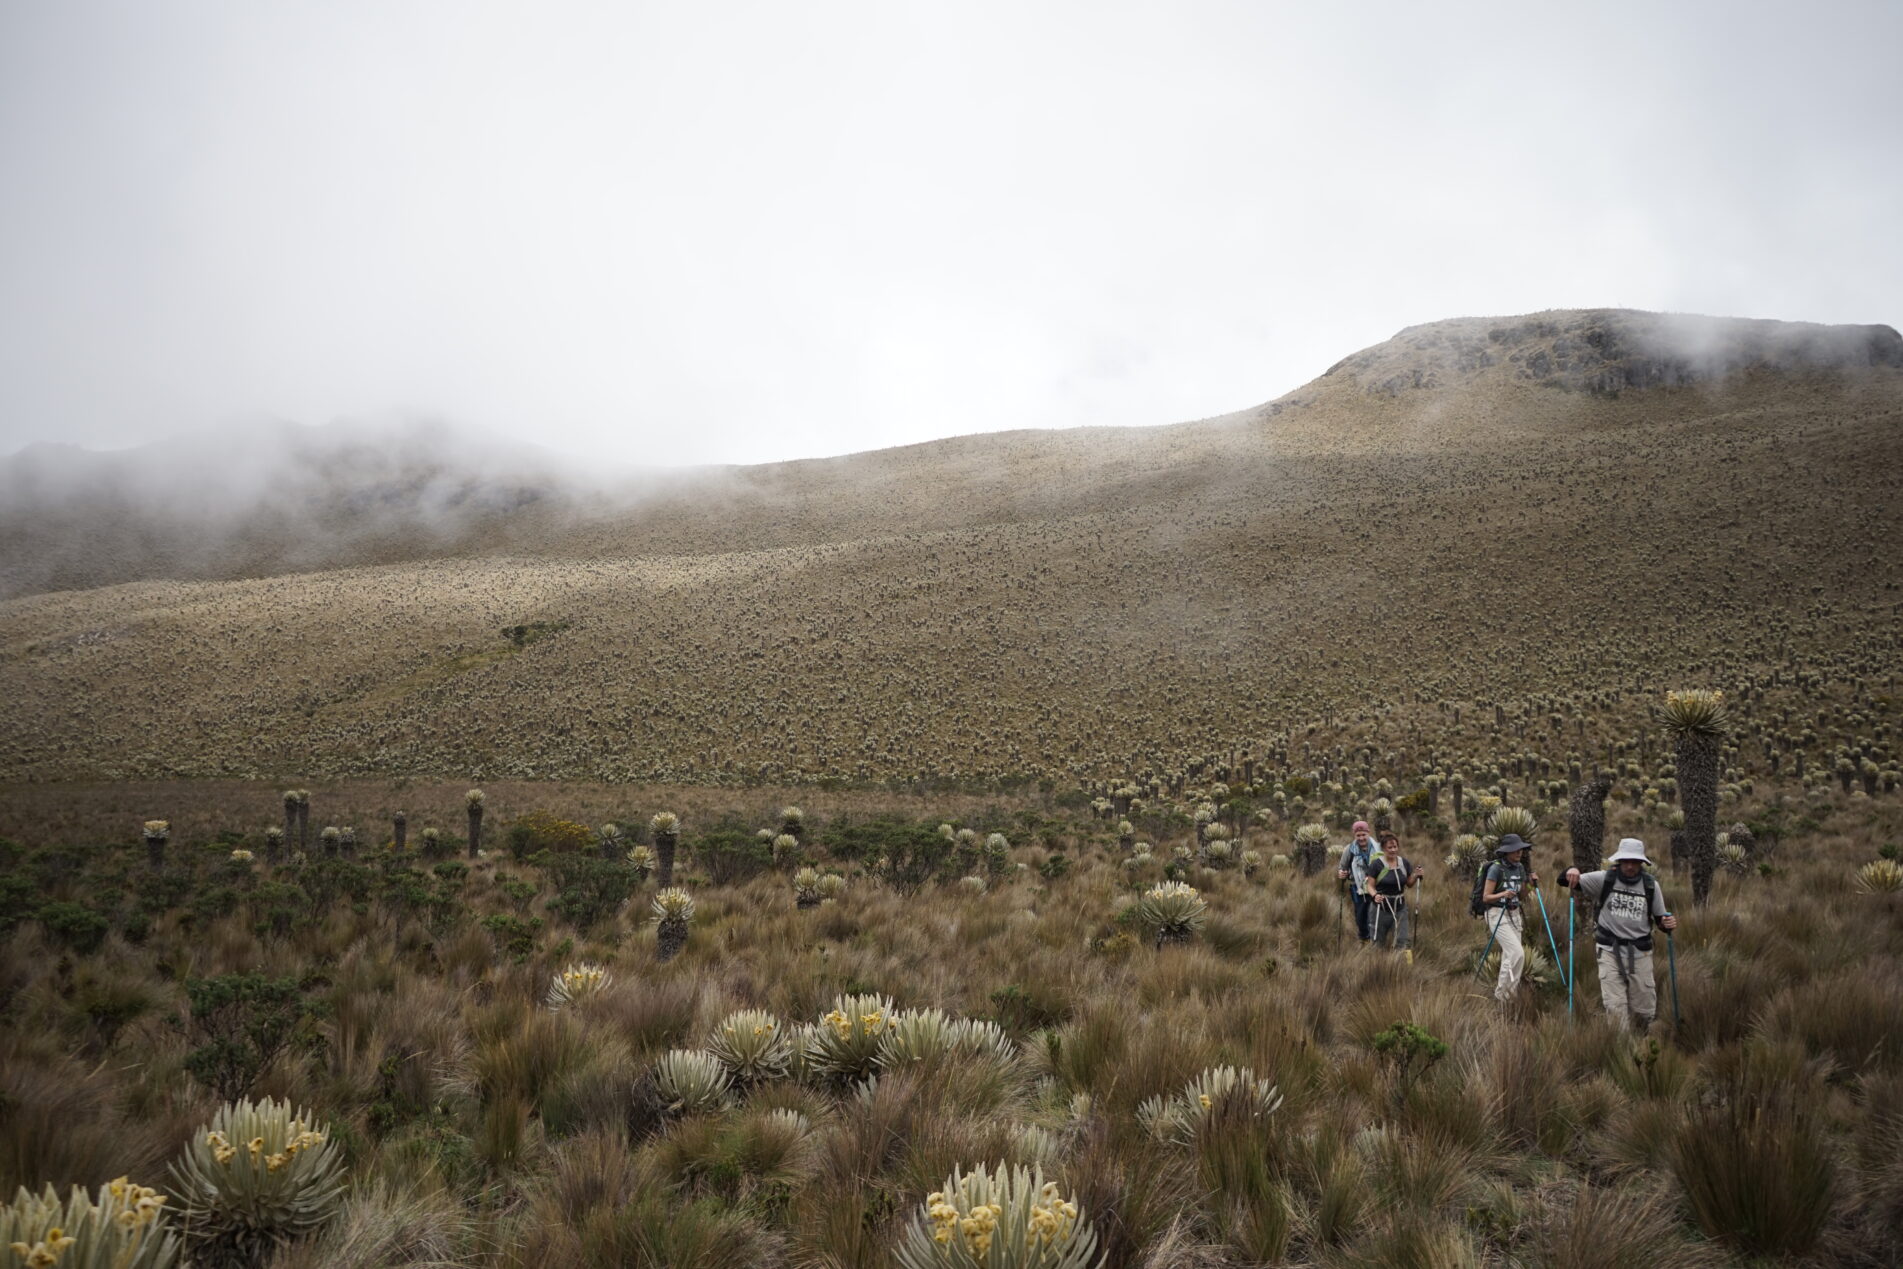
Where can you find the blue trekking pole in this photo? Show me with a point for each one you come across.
(1481, 968)
(1553, 942)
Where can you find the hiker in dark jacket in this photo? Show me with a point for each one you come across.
(1630, 901)
(1353, 869)
(1389, 876)
(1508, 879)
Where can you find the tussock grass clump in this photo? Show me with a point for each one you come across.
(383, 1225)
(1756, 1169)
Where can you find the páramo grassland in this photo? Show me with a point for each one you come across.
(928, 858)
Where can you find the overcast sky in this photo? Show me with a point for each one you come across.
(674, 233)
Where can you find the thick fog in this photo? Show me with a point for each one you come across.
(658, 234)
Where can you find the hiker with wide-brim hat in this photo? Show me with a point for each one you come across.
(1508, 878)
(1353, 869)
(1630, 902)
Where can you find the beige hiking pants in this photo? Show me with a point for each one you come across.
(1631, 995)
(1512, 954)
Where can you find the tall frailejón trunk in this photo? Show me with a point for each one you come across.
(1698, 796)
(665, 844)
(1586, 822)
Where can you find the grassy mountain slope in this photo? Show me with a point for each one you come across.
(1475, 509)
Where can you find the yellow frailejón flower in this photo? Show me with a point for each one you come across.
(979, 1226)
(1051, 1218)
(943, 1215)
(45, 1253)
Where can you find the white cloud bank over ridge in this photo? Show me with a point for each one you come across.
(744, 232)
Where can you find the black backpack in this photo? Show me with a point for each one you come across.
(1477, 906)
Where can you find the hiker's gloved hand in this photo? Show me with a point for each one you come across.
(1668, 922)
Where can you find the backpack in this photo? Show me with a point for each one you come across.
(1364, 858)
(1476, 903)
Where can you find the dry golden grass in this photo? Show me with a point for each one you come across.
(1047, 605)
(484, 1129)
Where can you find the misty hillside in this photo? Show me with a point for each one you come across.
(1526, 508)
(266, 497)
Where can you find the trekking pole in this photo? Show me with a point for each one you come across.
(1671, 953)
(1341, 912)
(1481, 968)
(1572, 932)
(1551, 941)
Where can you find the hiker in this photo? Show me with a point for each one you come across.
(1353, 869)
(1388, 879)
(1630, 900)
(1508, 878)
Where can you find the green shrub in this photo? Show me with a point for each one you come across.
(278, 907)
(328, 879)
(17, 900)
(730, 855)
(514, 936)
(75, 925)
(588, 888)
(539, 830)
(241, 1023)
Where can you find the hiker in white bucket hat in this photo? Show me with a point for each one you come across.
(1630, 901)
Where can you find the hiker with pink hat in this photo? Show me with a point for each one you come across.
(1353, 869)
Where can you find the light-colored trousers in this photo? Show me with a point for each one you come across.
(1512, 953)
(1631, 995)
